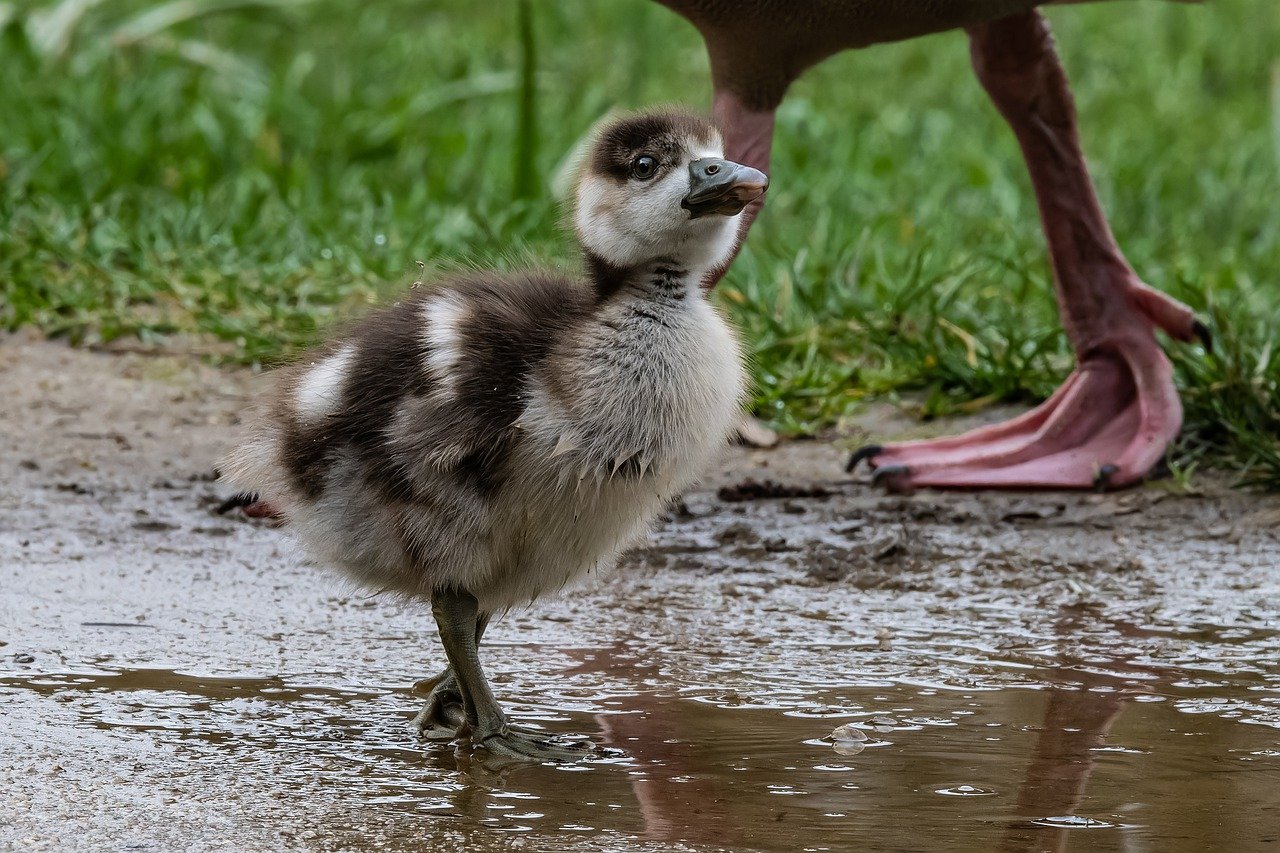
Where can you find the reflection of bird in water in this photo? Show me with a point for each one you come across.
(487, 440)
(1112, 419)
(676, 798)
(1077, 721)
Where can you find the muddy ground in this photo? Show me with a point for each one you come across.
(1018, 672)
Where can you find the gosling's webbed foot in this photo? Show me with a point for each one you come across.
(525, 745)
(443, 715)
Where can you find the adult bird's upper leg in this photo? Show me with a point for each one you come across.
(748, 139)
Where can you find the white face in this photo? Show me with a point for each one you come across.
(635, 221)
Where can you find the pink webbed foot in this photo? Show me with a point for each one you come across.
(1106, 426)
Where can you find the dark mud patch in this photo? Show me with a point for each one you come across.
(761, 490)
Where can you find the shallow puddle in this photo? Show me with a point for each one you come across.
(1007, 672)
(1099, 762)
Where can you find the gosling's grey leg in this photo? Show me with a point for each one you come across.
(442, 716)
(458, 618)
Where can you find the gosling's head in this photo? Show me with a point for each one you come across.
(656, 185)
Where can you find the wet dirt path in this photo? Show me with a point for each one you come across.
(1016, 672)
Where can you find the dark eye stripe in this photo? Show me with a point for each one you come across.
(662, 135)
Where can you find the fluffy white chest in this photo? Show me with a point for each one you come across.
(660, 383)
(654, 398)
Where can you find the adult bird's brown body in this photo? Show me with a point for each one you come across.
(1112, 420)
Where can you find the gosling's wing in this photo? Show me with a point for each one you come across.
(427, 388)
(484, 336)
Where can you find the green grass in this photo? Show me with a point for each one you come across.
(253, 173)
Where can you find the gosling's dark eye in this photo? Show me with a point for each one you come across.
(644, 168)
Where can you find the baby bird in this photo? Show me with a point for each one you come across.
(487, 439)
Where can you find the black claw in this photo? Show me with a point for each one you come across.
(866, 452)
(892, 477)
(1103, 478)
(236, 501)
(1206, 337)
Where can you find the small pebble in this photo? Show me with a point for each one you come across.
(848, 739)
(848, 732)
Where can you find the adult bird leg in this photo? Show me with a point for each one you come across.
(1113, 418)
(748, 139)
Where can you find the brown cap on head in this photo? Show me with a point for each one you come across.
(662, 135)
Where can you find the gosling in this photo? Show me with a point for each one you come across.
(488, 439)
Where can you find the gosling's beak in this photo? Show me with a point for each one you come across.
(722, 187)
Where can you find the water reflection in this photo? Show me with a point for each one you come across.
(1089, 762)
(1077, 720)
(677, 797)
(683, 794)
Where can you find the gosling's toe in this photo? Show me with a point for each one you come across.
(522, 745)
(443, 715)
